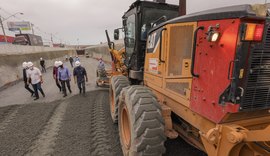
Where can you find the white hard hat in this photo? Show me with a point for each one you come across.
(56, 63)
(60, 63)
(77, 63)
(29, 64)
(24, 64)
(41, 58)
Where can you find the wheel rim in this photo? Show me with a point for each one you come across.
(112, 100)
(267, 143)
(125, 128)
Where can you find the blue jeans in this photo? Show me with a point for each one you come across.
(81, 85)
(36, 88)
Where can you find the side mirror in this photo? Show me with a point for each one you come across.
(116, 34)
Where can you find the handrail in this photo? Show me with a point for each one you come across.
(194, 51)
(160, 45)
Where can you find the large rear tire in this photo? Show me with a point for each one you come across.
(141, 126)
(117, 84)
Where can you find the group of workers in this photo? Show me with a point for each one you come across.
(72, 60)
(32, 75)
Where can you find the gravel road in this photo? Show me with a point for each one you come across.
(76, 125)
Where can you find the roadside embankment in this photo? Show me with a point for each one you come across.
(12, 57)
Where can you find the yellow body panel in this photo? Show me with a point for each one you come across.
(171, 81)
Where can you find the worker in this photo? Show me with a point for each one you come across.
(80, 76)
(42, 64)
(55, 72)
(101, 64)
(66, 58)
(35, 75)
(64, 77)
(71, 61)
(101, 69)
(76, 58)
(26, 85)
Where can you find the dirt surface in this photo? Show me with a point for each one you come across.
(76, 125)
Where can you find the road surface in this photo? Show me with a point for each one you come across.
(75, 125)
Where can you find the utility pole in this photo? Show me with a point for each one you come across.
(1, 22)
(78, 43)
(52, 38)
(3, 29)
(32, 27)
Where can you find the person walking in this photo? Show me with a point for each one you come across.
(55, 73)
(76, 58)
(36, 79)
(26, 85)
(42, 64)
(80, 76)
(71, 61)
(64, 78)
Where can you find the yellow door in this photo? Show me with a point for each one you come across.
(177, 79)
(154, 58)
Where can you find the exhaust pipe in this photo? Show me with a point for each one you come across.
(182, 7)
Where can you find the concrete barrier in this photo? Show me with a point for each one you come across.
(12, 57)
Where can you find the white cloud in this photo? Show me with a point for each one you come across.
(87, 19)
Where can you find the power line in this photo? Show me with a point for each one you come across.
(32, 25)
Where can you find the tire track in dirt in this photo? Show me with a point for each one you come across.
(46, 140)
(24, 128)
(74, 135)
(8, 119)
(105, 140)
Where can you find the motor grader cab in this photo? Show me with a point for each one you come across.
(137, 21)
(206, 79)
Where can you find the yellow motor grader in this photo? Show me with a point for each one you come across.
(204, 77)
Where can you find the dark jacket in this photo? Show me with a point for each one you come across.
(42, 62)
(24, 76)
(80, 73)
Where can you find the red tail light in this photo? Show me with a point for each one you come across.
(253, 32)
(258, 34)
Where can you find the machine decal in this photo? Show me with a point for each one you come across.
(153, 65)
(153, 41)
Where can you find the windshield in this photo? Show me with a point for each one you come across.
(130, 35)
(150, 15)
